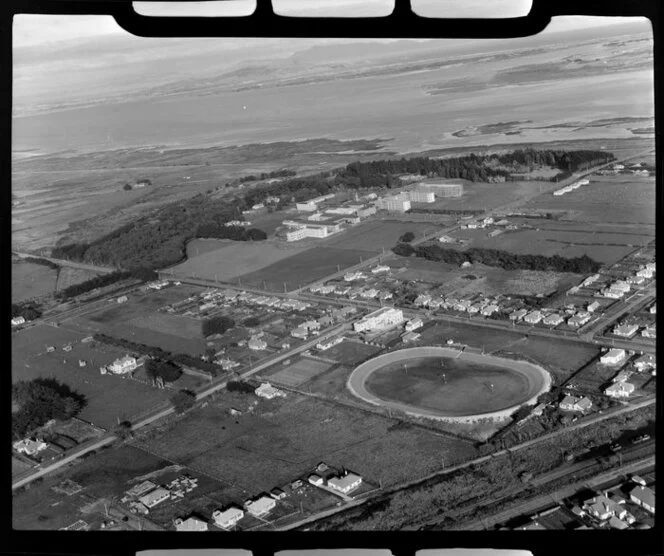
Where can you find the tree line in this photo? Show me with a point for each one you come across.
(43, 262)
(268, 175)
(236, 233)
(40, 400)
(216, 325)
(27, 310)
(158, 239)
(140, 273)
(499, 258)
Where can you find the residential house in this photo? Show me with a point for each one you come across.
(30, 446)
(16, 321)
(352, 276)
(435, 303)
(620, 390)
(653, 309)
(489, 310)
(423, 300)
(346, 483)
(626, 330)
(533, 317)
(622, 376)
(613, 357)
(474, 308)
(267, 391)
(256, 344)
(574, 403)
(190, 524)
(410, 337)
(157, 496)
(644, 497)
(649, 331)
(592, 307)
(380, 268)
(518, 314)
(617, 523)
(331, 343)
(553, 320)
(645, 362)
(644, 273)
(122, 299)
(579, 319)
(262, 506)
(227, 518)
(300, 333)
(123, 365)
(600, 507)
(277, 493)
(316, 480)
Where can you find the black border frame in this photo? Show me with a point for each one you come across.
(402, 23)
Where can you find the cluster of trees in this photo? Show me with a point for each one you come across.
(43, 262)
(181, 358)
(407, 237)
(268, 175)
(236, 233)
(27, 310)
(240, 386)
(162, 371)
(499, 258)
(139, 273)
(452, 212)
(40, 400)
(217, 325)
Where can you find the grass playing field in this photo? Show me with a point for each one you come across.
(297, 373)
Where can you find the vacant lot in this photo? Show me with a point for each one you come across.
(350, 353)
(32, 280)
(109, 397)
(304, 268)
(377, 235)
(297, 373)
(232, 258)
(282, 439)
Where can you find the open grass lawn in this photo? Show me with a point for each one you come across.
(350, 353)
(108, 397)
(284, 438)
(19, 466)
(487, 196)
(304, 268)
(233, 258)
(32, 280)
(297, 373)
(607, 199)
(375, 235)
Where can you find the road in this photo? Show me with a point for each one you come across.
(529, 443)
(160, 414)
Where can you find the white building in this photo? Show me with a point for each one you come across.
(123, 365)
(346, 483)
(352, 276)
(553, 320)
(519, 314)
(489, 310)
(17, 321)
(579, 319)
(190, 524)
(262, 506)
(533, 317)
(613, 357)
(382, 319)
(122, 299)
(620, 390)
(414, 324)
(267, 391)
(331, 343)
(397, 204)
(157, 496)
(649, 331)
(380, 268)
(423, 300)
(29, 446)
(256, 344)
(573, 403)
(308, 206)
(645, 362)
(421, 196)
(443, 189)
(227, 518)
(626, 330)
(592, 307)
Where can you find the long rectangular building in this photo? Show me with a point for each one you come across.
(443, 189)
(382, 319)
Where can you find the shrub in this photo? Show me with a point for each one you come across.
(183, 400)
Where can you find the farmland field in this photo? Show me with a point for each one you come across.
(69, 276)
(283, 439)
(32, 280)
(375, 235)
(232, 258)
(109, 397)
(304, 268)
(297, 373)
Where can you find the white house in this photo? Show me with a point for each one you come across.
(620, 390)
(315, 480)
(267, 391)
(553, 320)
(122, 299)
(30, 446)
(488, 310)
(16, 321)
(345, 484)
(380, 268)
(227, 518)
(519, 314)
(573, 403)
(626, 330)
(262, 506)
(592, 307)
(622, 376)
(644, 497)
(579, 319)
(422, 300)
(123, 365)
(613, 357)
(649, 331)
(533, 317)
(190, 524)
(256, 344)
(645, 362)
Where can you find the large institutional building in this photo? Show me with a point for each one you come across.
(382, 319)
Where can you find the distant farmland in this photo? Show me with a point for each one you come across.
(32, 280)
